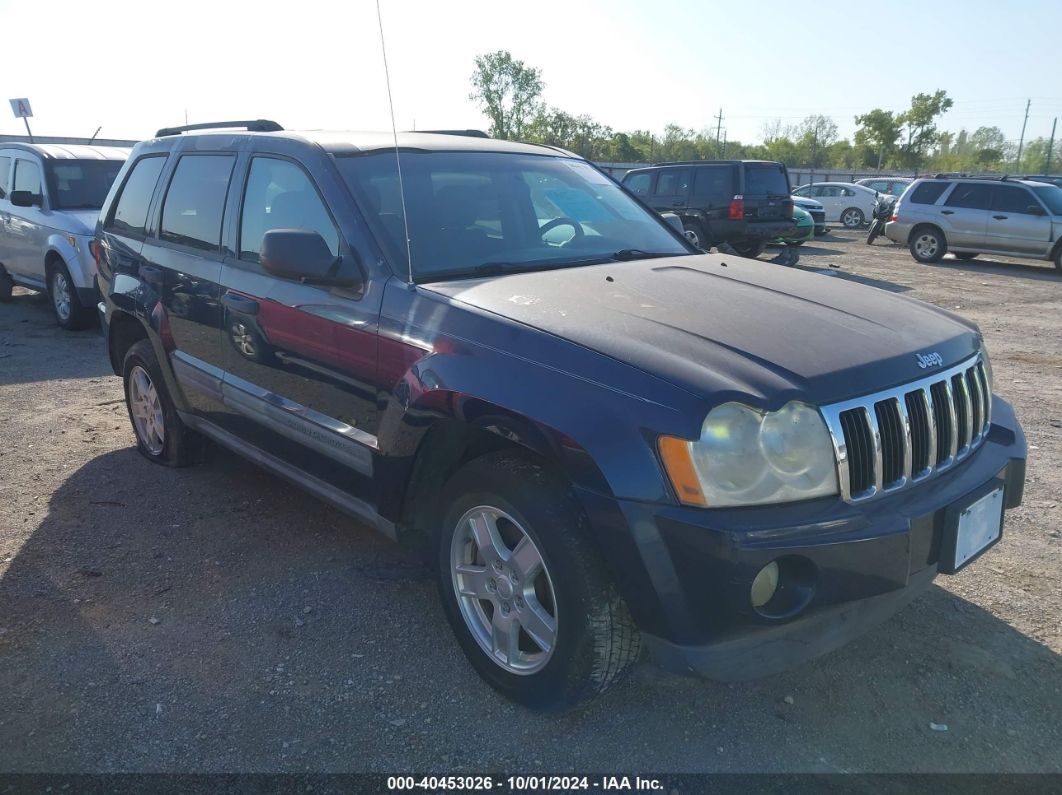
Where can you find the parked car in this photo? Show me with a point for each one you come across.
(804, 229)
(845, 203)
(50, 196)
(892, 186)
(743, 203)
(815, 210)
(969, 216)
(608, 438)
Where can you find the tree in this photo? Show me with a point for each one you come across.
(508, 91)
(920, 120)
(879, 130)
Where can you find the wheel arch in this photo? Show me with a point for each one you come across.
(123, 331)
(917, 228)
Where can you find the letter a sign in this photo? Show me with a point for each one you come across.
(21, 108)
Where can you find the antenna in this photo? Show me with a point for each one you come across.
(394, 132)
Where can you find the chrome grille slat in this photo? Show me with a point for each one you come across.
(889, 440)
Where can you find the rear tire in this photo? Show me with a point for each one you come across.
(66, 306)
(160, 435)
(7, 284)
(1058, 259)
(750, 250)
(524, 589)
(852, 218)
(928, 244)
(694, 233)
(964, 254)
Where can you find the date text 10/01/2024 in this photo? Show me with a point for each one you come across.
(523, 783)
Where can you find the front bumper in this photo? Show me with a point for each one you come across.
(686, 573)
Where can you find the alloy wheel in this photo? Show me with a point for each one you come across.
(146, 409)
(504, 590)
(243, 339)
(61, 296)
(851, 219)
(693, 237)
(926, 246)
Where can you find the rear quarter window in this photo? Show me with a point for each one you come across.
(927, 193)
(765, 179)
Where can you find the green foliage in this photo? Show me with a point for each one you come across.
(508, 92)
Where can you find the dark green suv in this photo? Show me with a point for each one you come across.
(742, 203)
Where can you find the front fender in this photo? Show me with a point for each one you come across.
(58, 245)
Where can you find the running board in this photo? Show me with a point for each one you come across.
(352, 506)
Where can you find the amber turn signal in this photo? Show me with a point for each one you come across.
(676, 456)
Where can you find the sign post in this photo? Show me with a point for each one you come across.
(21, 108)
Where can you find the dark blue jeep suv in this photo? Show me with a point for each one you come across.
(613, 441)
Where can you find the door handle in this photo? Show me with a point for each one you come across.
(1000, 217)
(151, 275)
(237, 303)
(947, 212)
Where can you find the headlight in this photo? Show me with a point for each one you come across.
(748, 457)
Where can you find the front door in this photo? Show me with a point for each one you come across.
(299, 359)
(1017, 222)
(26, 235)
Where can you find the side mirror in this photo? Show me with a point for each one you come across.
(674, 222)
(303, 256)
(23, 198)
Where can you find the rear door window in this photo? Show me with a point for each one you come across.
(5, 176)
(639, 184)
(672, 182)
(131, 211)
(927, 193)
(970, 196)
(714, 182)
(1009, 199)
(765, 179)
(195, 201)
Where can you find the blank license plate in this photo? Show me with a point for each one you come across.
(979, 526)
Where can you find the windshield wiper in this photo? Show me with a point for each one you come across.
(626, 254)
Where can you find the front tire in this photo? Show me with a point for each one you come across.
(1058, 259)
(69, 313)
(928, 244)
(160, 435)
(852, 218)
(524, 589)
(7, 285)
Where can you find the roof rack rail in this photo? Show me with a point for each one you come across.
(253, 125)
(466, 133)
(960, 175)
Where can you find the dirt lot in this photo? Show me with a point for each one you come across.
(216, 619)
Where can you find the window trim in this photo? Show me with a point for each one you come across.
(998, 190)
(108, 222)
(5, 192)
(238, 253)
(156, 233)
(955, 187)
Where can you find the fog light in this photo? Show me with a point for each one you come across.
(765, 584)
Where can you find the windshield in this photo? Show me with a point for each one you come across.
(80, 184)
(1051, 196)
(471, 212)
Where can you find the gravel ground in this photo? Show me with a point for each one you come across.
(216, 619)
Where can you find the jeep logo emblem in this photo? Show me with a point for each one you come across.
(929, 360)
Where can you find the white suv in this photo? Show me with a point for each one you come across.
(970, 216)
(50, 196)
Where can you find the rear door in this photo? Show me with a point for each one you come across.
(671, 190)
(964, 215)
(299, 359)
(1017, 222)
(182, 264)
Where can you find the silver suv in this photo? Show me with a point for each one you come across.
(50, 196)
(970, 216)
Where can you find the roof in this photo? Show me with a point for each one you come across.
(349, 142)
(703, 163)
(72, 151)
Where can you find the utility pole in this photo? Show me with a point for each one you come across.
(718, 125)
(1021, 141)
(1051, 146)
(723, 157)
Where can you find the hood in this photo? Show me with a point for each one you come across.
(82, 222)
(725, 327)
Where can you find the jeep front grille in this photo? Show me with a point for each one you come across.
(889, 440)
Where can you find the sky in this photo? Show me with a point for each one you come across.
(132, 67)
